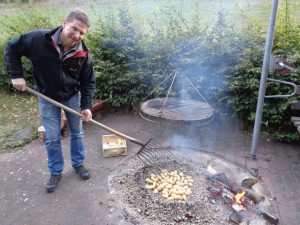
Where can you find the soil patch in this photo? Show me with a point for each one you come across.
(18, 111)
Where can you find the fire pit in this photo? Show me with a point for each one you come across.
(144, 206)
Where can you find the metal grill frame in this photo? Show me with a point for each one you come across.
(176, 111)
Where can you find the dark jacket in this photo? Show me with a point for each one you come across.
(55, 78)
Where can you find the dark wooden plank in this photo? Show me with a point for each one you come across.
(296, 123)
(295, 118)
(298, 90)
(296, 106)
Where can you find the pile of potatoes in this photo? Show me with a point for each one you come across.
(172, 185)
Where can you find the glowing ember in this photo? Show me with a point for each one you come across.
(240, 198)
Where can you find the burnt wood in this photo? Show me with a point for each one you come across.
(233, 187)
(272, 219)
(269, 217)
(222, 179)
(251, 195)
(236, 217)
(249, 182)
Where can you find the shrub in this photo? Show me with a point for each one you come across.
(131, 59)
(244, 84)
(116, 55)
(133, 54)
(27, 20)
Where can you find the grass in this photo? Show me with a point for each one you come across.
(17, 111)
(99, 8)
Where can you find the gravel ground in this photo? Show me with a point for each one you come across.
(142, 206)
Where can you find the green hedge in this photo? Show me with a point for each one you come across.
(134, 55)
(244, 84)
(222, 57)
(14, 26)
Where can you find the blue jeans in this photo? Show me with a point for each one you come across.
(51, 118)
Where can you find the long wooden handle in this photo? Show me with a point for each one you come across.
(30, 90)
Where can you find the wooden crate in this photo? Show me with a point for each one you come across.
(113, 145)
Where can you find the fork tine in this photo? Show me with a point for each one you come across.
(145, 162)
(152, 154)
(145, 157)
(163, 152)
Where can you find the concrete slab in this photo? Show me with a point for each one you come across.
(24, 173)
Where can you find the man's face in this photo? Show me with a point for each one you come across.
(73, 32)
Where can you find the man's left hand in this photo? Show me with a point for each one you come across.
(86, 115)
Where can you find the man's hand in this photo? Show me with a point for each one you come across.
(86, 115)
(19, 84)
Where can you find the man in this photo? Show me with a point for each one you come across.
(62, 69)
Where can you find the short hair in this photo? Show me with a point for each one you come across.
(78, 14)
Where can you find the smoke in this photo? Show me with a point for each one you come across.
(192, 38)
(193, 138)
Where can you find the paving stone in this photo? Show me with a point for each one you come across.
(241, 161)
(24, 173)
(289, 212)
(251, 164)
(263, 164)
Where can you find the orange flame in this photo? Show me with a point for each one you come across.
(240, 197)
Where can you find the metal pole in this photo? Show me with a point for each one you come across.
(263, 79)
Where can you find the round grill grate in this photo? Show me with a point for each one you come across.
(177, 110)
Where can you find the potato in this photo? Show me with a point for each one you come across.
(154, 178)
(164, 184)
(166, 192)
(165, 195)
(177, 197)
(149, 180)
(172, 185)
(171, 181)
(188, 192)
(149, 187)
(170, 198)
(169, 186)
(190, 180)
(160, 188)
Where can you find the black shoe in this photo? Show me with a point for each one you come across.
(82, 172)
(52, 183)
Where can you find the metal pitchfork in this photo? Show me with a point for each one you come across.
(150, 153)
(155, 156)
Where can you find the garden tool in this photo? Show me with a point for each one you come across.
(149, 151)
